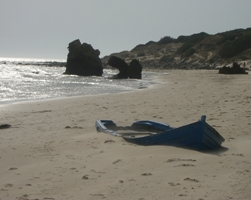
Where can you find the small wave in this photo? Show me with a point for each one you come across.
(33, 61)
(22, 82)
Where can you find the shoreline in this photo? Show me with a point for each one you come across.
(152, 82)
(53, 150)
(69, 86)
(65, 98)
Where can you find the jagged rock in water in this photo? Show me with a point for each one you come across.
(236, 69)
(132, 71)
(135, 69)
(119, 64)
(83, 60)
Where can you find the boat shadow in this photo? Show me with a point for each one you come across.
(216, 152)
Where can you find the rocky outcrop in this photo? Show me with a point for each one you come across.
(132, 71)
(135, 69)
(83, 60)
(119, 64)
(236, 69)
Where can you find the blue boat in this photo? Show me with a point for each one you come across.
(198, 135)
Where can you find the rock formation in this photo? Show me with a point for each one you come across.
(236, 69)
(119, 64)
(5, 126)
(135, 69)
(83, 60)
(132, 71)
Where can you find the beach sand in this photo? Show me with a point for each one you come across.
(53, 152)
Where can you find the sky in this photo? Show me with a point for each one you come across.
(44, 28)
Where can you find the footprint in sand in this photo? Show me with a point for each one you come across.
(238, 154)
(42, 111)
(8, 185)
(98, 195)
(23, 197)
(74, 127)
(185, 165)
(13, 168)
(116, 161)
(85, 177)
(179, 159)
(191, 179)
(173, 184)
(146, 174)
(109, 141)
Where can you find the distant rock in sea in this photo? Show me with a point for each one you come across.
(133, 70)
(83, 60)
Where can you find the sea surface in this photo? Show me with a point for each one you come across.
(38, 79)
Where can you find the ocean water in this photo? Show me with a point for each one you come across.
(38, 79)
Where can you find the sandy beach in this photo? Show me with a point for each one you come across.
(53, 152)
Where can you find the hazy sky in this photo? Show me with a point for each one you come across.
(43, 28)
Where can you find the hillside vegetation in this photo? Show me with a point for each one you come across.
(199, 50)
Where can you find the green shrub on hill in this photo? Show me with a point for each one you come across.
(166, 40)
(230, 35)
(139, 46)
(141, 54)
(190, 41)
(182, 39)
(150, 43)
(236, 46)
(189, 52)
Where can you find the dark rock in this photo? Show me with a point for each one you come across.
(83, 60)
(236, 69)
(119, 64)
(132, 71)
(135, 69)
(5, 126)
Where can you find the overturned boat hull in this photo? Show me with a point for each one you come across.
(198, 135)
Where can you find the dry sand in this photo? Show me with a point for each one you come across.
(52, 150)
